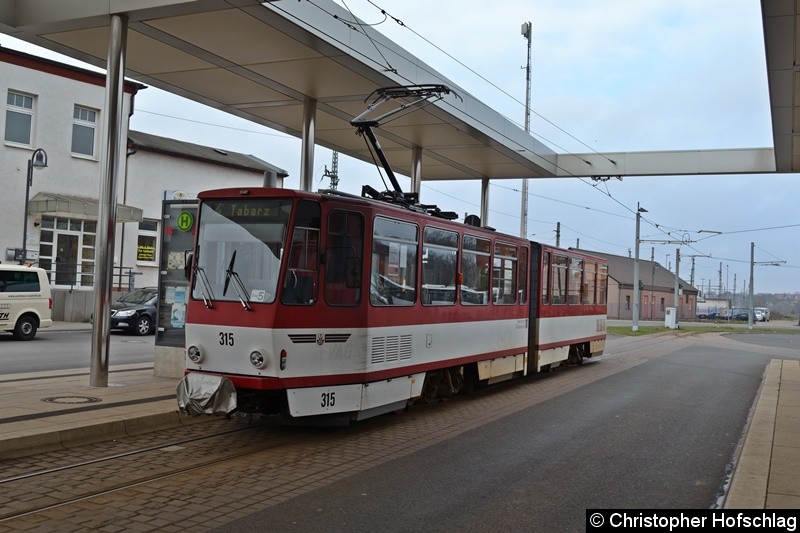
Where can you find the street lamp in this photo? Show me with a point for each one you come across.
(636, 280)
(38, 160)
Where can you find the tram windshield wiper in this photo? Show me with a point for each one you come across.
(204, 286)
(238, 285)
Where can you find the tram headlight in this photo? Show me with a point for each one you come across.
(258, 360)
(195, 353)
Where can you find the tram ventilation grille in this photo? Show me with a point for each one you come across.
(391, 348)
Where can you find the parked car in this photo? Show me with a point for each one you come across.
(136, 311)
(758, 315)
(707, 315)
(25, 300)
(764, 313)
(740, 313)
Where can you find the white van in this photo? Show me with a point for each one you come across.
(764, 311)
(25, 300)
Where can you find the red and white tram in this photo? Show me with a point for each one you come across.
(320, 303)
(309, 304)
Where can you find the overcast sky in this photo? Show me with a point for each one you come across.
(616, 76)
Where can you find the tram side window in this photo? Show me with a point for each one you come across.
(343, 258)
(523, 276)
(545, 278)
(504, 277)
(475, 263)
(300, 283)
(558, 287)
(439, 256)
(575, 280)
(393, 276)
(589, 292)
(602, 284)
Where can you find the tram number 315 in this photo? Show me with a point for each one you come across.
(225, 338)
(328, 399)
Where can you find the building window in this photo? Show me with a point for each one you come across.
(19, 118)
(627, 303)
(83, 129)
(146, 243)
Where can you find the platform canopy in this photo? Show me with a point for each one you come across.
(264, 61)
(261, 61)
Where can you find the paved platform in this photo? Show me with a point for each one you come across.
(767, 474)
(48, 411)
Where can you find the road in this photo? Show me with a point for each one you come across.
(661, 434)
(61, 350)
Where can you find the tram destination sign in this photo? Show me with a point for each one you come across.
(252, 210)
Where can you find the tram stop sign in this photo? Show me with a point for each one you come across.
(185, 221)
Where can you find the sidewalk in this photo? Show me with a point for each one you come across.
(47, 411)
(69, 326)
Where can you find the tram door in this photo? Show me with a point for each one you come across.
(67, 259)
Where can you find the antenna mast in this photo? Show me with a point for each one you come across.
(333, 173)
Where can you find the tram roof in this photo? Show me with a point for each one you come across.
(261, 60)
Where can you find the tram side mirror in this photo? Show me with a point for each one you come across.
(353, 279)
(188, 263)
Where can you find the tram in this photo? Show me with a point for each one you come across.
(341, 306)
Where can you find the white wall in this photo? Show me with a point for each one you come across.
(55, 98)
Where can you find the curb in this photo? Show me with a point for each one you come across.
(51, 441)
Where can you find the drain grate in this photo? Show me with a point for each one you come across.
(72, 400)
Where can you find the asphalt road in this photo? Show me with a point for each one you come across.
(61, 350)
(661, 434)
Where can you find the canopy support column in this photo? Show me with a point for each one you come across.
(307, 156)
(485, 201)
(416, 169)
(113, 146)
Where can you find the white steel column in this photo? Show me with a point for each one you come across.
(416, 169)
(485, 201)
(307, 156)
(113, 156)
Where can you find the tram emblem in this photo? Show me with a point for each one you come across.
(320, 339)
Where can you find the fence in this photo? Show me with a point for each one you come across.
(123, 278)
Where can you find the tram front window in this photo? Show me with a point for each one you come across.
(253, 229)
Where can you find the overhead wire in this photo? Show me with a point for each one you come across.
(503, 91)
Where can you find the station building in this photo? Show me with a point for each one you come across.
(657, 290)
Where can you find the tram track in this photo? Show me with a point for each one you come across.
(137, 467)
(117, 456)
